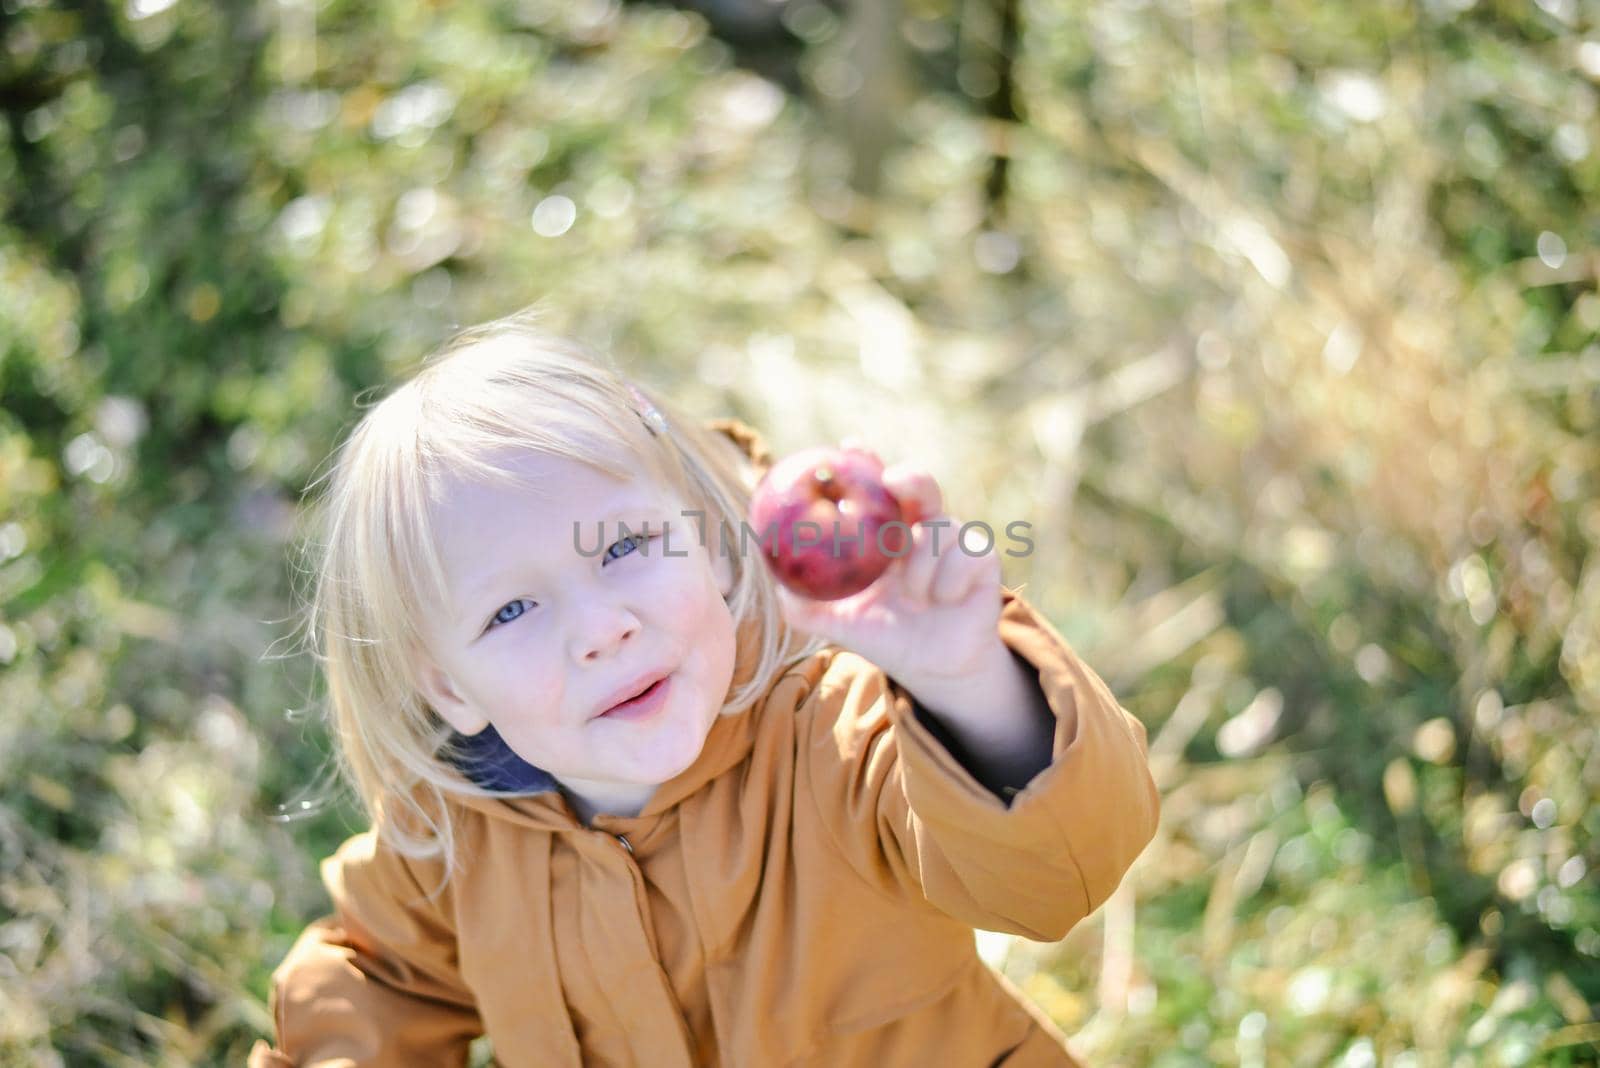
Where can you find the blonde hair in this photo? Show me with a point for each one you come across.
(375, 568)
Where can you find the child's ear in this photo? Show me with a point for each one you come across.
(441, 693)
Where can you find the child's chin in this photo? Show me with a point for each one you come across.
(676, 761)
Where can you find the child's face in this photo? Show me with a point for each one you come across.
(538, 637)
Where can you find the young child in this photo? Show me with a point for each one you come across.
(776, 857)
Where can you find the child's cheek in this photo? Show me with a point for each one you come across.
(668, 586)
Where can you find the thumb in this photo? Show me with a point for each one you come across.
(856, 622)
(812, 616)
(800, 611)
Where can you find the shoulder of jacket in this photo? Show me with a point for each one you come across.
(747, 438)
(401, 871)
(839, 684)
(797, 686)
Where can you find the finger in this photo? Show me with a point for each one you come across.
(928, 541)
(916, 489)
(848, 622)
(803, 612)
(950, 575)
(984, 591)
(975, 539)
(961, 570)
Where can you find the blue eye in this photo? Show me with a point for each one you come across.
(627, 546)
(501, 617)
(631, 541)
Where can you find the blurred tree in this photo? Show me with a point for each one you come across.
(877, 90)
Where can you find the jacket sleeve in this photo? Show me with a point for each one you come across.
(910, 819)
(376, 982)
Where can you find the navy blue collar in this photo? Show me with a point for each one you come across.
(488, 761)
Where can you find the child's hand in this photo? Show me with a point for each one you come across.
(930, 621)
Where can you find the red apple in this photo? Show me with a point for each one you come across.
(845, 544)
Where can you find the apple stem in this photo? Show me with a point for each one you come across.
(826, 485)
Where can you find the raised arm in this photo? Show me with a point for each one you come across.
(911, 818)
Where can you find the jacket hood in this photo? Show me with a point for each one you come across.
(488, 762)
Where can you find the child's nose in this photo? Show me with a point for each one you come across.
(604, 629)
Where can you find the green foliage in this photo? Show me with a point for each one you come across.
(1282, 334)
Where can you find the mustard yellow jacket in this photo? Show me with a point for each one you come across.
(804, 894)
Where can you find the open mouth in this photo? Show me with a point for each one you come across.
(641, 701)
(647, 690)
